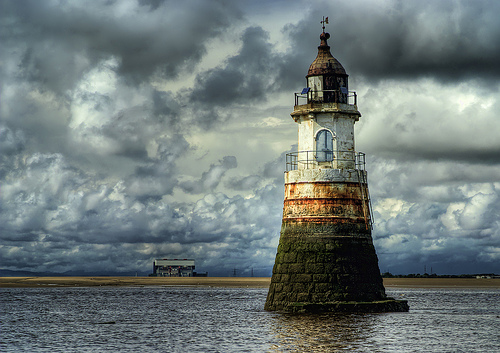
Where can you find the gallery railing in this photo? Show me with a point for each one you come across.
(326, 96)
(325, 159)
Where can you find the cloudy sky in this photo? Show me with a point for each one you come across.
(139, 129)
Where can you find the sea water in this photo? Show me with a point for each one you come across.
(206, 319)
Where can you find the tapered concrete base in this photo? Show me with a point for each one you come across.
(327, 267)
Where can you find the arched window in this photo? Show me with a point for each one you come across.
(324, 146)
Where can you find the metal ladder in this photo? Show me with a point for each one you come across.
(365, 199)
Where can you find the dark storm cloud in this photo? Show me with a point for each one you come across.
(439, 214)
(247, 226)
(63, 207)
(12, 142)
(57, 43)
(156, 177)
(56, 213)
(56, 57)
(447, 40)
(250, 77)
(93, 131)
(210, 179)
(480, 156)
(245, 77)
(34, 187)
(271, 172)
(423, 120)
(166, 107)
(452, 239)
(244, 183)
(90, 147)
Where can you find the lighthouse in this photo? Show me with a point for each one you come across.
(326, 260)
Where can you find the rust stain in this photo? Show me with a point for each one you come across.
(324, 202)
(324, 220)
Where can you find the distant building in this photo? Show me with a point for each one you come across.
(173, 268)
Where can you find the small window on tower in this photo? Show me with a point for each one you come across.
(324, 146)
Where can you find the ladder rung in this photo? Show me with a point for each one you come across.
(365, 196)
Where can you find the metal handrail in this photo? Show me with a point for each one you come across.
(309, 159)
(352, 97)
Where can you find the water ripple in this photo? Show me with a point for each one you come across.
(202, 319)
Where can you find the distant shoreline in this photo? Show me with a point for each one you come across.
(236, 282)
(442, 282)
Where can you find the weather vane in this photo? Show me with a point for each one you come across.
(325, 21)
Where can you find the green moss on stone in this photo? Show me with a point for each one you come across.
(321, 277)
(285, 278)
(295, 268)
(301, 278)
(323, 287)
(300, 287)
(282, 268)
(314, 268)
(290, 257)
(303, 297)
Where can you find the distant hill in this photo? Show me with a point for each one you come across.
(11, 273)
(426, 275)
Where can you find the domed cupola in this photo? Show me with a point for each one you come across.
(326, 77)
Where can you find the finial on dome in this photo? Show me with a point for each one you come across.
(324, 37)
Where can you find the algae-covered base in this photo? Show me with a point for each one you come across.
(382, 306)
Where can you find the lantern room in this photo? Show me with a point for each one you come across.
(326, 78)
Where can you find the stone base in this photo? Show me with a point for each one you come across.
(328, 267)
(382, 306)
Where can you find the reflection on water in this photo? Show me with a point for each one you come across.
(445, 320)
(440, 320)
(321, 332)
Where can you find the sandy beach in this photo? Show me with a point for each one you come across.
(241, 282)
